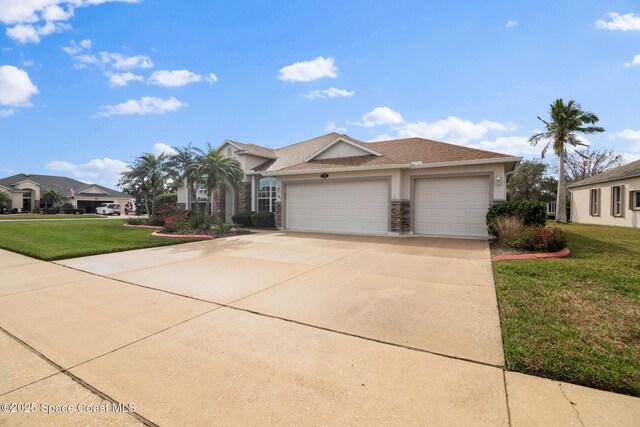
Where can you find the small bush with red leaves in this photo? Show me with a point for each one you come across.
(538, 239)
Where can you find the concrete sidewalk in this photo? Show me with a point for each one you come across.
(275, 329)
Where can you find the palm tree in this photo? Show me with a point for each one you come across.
(218, 171)
(566, 123)
(149, 173)
(184, 168)
(51, 196)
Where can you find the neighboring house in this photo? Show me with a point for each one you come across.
(551, 208)
(335, 183)
(609, 198)
(25, 190)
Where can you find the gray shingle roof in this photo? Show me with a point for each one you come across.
(630, 170)
(60, 183)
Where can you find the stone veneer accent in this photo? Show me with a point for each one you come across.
(219, 203)
(400, 216)
(278, 214)
(244, 197)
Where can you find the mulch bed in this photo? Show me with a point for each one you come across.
(499, 249)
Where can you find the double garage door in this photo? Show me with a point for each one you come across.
(442, 206)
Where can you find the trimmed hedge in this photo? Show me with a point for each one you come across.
(166, 199)
(530, 212)
(263, 220)
(243, 218)
(72, 211)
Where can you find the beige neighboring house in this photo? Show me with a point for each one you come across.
(25, 191)
(337, 184)
(610, 198)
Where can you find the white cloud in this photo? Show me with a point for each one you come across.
(380, 116)
(511, 24)
(24, 34)
(122, 79)
(27, 63)
(631, 135)
(452, 129)
(6, 112)
(307, 71)
(15, 87)
(615, 22)
(25, 15)
(74, 48)
(160, 148)
(634, 61)
(514, 145)
(123, 62)
(332, 127)
(178, 78)
(383, 137)
(332, 92)
(142, 106)
(103, 171)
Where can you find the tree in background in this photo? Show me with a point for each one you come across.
(50, 197)
(147, 175)
(531, 182)
(567, 121)
(5, 201)
(184, 167)
(585, 163)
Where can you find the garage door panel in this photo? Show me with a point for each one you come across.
(451, 206)
(343, 206)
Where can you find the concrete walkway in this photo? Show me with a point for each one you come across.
(275, 328)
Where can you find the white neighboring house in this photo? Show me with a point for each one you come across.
(337, 184)
(610, 198)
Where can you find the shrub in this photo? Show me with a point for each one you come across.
(72, 211)
(221, 228)
(177, 223)
(531, 213)
(137, 221)
(67, 206)
(166, 199)
(539, 239)
(156, 221)
(263, 220)
(507, 226)
(52, 211)
(199, 221)
(243, 218)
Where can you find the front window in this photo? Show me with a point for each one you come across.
(266, 194)
(635, 200)
(201, 192)
(595, 202)
(616, 201)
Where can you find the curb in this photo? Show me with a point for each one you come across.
(142, 226)
(560, 254)
(182, 236)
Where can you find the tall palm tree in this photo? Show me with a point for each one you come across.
(149, 172)
(184, 168)
(218, 171)
(50, 197)
(567, 121)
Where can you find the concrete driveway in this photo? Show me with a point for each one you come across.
(275, 328)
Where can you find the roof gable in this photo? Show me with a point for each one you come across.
(342, 148)
(630, 170)
(93, 190)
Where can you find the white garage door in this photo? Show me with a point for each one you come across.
(452, 206)
(339, 207)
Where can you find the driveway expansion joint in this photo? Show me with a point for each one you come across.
(75, 378)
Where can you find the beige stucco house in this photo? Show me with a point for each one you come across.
(610, 198)
(337, 184)
(25, 191)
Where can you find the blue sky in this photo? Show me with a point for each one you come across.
(87, 85)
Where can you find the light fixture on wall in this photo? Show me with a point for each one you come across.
(498, 180)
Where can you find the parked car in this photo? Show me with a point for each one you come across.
(108, 209)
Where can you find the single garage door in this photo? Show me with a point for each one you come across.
(452, 206)
(338, 207)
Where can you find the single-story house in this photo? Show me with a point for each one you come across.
(25, 190)
(609, 198)
(337, 184)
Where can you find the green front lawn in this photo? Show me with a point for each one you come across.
(51, 240)
(576, 319)
(13, 217)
